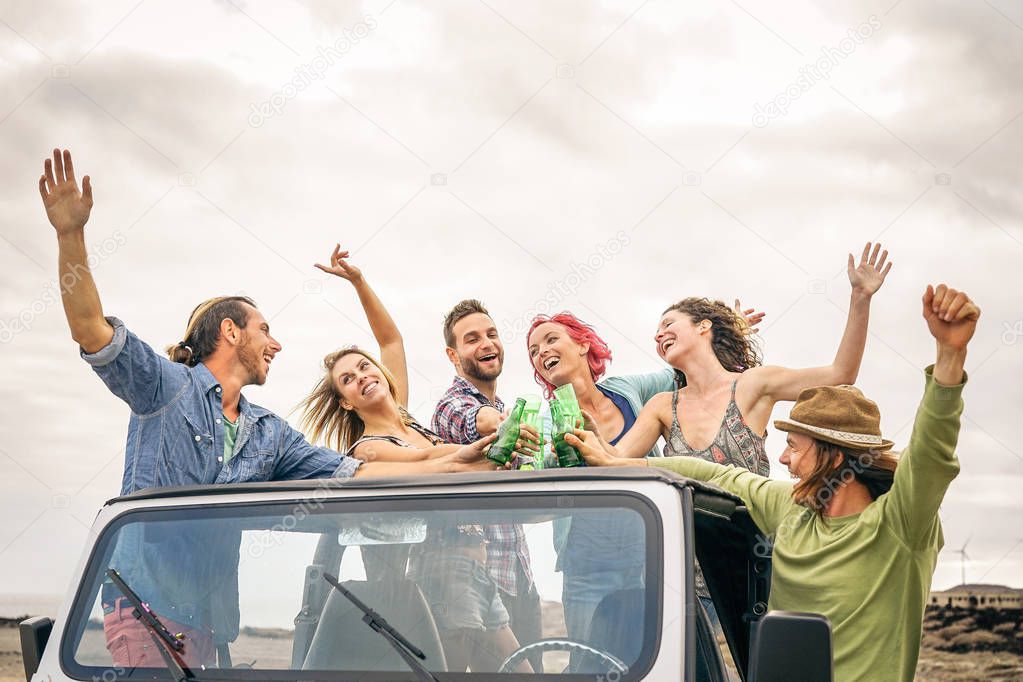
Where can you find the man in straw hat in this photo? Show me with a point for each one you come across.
(857, 536)
(189, 425)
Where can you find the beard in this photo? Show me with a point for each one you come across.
(251, 361)
(473, 368)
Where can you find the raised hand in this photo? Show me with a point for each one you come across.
(750, 316)
(951, 316)
(67, 208)
(868, 276)
(340, 267)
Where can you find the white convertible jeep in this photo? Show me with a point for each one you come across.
(253, 566)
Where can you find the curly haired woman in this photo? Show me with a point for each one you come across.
(720, 413)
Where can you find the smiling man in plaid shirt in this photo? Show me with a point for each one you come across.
(468, 411)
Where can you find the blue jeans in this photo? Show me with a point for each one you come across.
(583, 591)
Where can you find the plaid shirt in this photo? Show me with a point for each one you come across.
(454, 420)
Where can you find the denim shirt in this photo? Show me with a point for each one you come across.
(176, 437)
(176, 434)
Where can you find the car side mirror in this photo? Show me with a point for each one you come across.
(35, 632)
(791, 646)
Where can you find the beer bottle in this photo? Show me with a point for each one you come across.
(531, 416)
(502, 450)
(566, 416)
(565, 395)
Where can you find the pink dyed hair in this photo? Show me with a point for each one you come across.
(598, 356)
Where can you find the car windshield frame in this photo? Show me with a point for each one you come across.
(528, 503)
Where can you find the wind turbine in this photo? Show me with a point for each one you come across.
(963, 557)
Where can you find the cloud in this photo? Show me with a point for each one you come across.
(158, 114)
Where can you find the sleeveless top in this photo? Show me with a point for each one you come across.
(439, 535)
(418, 428)
(734, 444)
(628, 416)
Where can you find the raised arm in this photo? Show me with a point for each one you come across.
(952, 319)
(68, 210)
(772, 384)
(385, 331)
(929, 463)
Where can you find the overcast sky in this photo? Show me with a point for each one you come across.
(607, 158)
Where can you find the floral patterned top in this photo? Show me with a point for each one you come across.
(735, 443)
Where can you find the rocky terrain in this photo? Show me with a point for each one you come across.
(971, 644)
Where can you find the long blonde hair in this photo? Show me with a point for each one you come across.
(325, 419)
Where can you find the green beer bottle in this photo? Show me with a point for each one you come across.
(565, 395)
(531, 416)
(566, 416)
(502, 450)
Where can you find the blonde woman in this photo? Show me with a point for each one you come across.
(359, 406)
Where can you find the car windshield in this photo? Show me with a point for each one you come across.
(542, 584)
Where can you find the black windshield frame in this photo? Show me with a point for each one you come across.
(533, 500)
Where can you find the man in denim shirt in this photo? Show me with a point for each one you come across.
(190, 425)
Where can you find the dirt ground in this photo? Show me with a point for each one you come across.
(10, 656)
(935, 666)
(978, 665)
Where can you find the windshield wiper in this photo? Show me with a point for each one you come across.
(408, 651)
(166, 643)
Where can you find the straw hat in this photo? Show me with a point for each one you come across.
(837, 414)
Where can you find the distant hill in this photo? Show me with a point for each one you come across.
(964, 630)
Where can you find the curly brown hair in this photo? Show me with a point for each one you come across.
(730, 337)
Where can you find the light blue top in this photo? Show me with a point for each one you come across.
(638, 389)
(616, 538)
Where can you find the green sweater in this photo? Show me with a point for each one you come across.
(869, 573)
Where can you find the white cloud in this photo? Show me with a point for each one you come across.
(164, 100)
